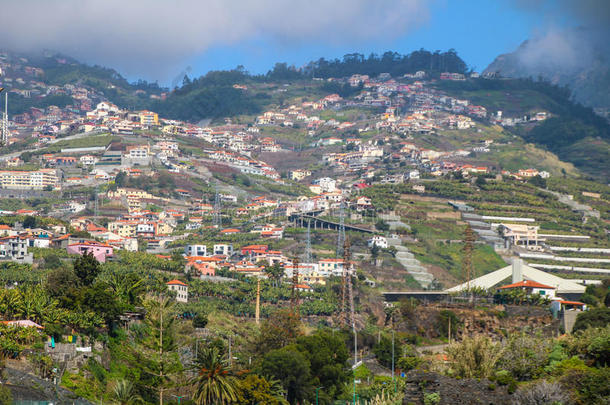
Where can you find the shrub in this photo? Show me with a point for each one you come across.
(542, 392)
(525, 357)
(474, 357)
(591, 385)
(6, 397)
(200, 320)
(407, 363)
(432, 398)
(592, 344)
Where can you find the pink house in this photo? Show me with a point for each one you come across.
(99, 250)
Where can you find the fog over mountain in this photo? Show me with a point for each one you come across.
(575, 56)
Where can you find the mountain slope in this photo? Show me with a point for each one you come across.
(586, 72)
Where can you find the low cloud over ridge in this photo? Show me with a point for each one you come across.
(154, 37)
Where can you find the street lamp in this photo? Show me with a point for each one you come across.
(317, 389)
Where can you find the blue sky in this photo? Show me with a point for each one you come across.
(158, 39)
(479, 30)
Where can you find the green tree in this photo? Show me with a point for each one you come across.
(327, 355)
(383, 351)
(281, 329)
(291, 368)
(215, 382)
(154, 353)
(124, 393)
(382, 225)
(86, 268)
(275, 273)
(256, 390)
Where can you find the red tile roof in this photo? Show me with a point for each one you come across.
(528, 284)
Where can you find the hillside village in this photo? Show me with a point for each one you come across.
(397, 188)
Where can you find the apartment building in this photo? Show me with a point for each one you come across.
(28, 180)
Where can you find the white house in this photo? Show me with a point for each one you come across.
(181, 289)
(379, 241)
(327, 184)
(225, 249)
(195, 250)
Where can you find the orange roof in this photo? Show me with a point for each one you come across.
(528, 284)
(175, 282)
(230, 230)
(572, 303)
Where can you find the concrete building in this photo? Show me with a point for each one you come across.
(195, 250)
(28, 180)
(101, 251)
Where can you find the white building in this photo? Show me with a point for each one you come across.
(327, 184)
(181, 289)
(225, 249)
(379, 241)
(195, 250)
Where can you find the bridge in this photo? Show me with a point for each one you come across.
(303, 219)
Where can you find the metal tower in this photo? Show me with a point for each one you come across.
(96, 206)
(258, 301)
(294, 296)
(347, 273)
(4, 139)
(308, 258)
(341, 235)
(217, 210)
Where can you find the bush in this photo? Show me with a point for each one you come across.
(542, 392)
(432, 398)
(591, 385)
(474, 357)
(200, 321)
(592, 344)
(525, 357)
(6, 397)
(407, 363)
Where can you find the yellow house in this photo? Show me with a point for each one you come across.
(125, 229)
(149, 118)
(164, 228)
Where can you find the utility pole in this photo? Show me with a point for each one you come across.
(392, 354)
(161, 347)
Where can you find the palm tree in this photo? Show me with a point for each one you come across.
(124, 393)
(215, 383)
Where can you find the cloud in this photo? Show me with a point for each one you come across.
(154, 37)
